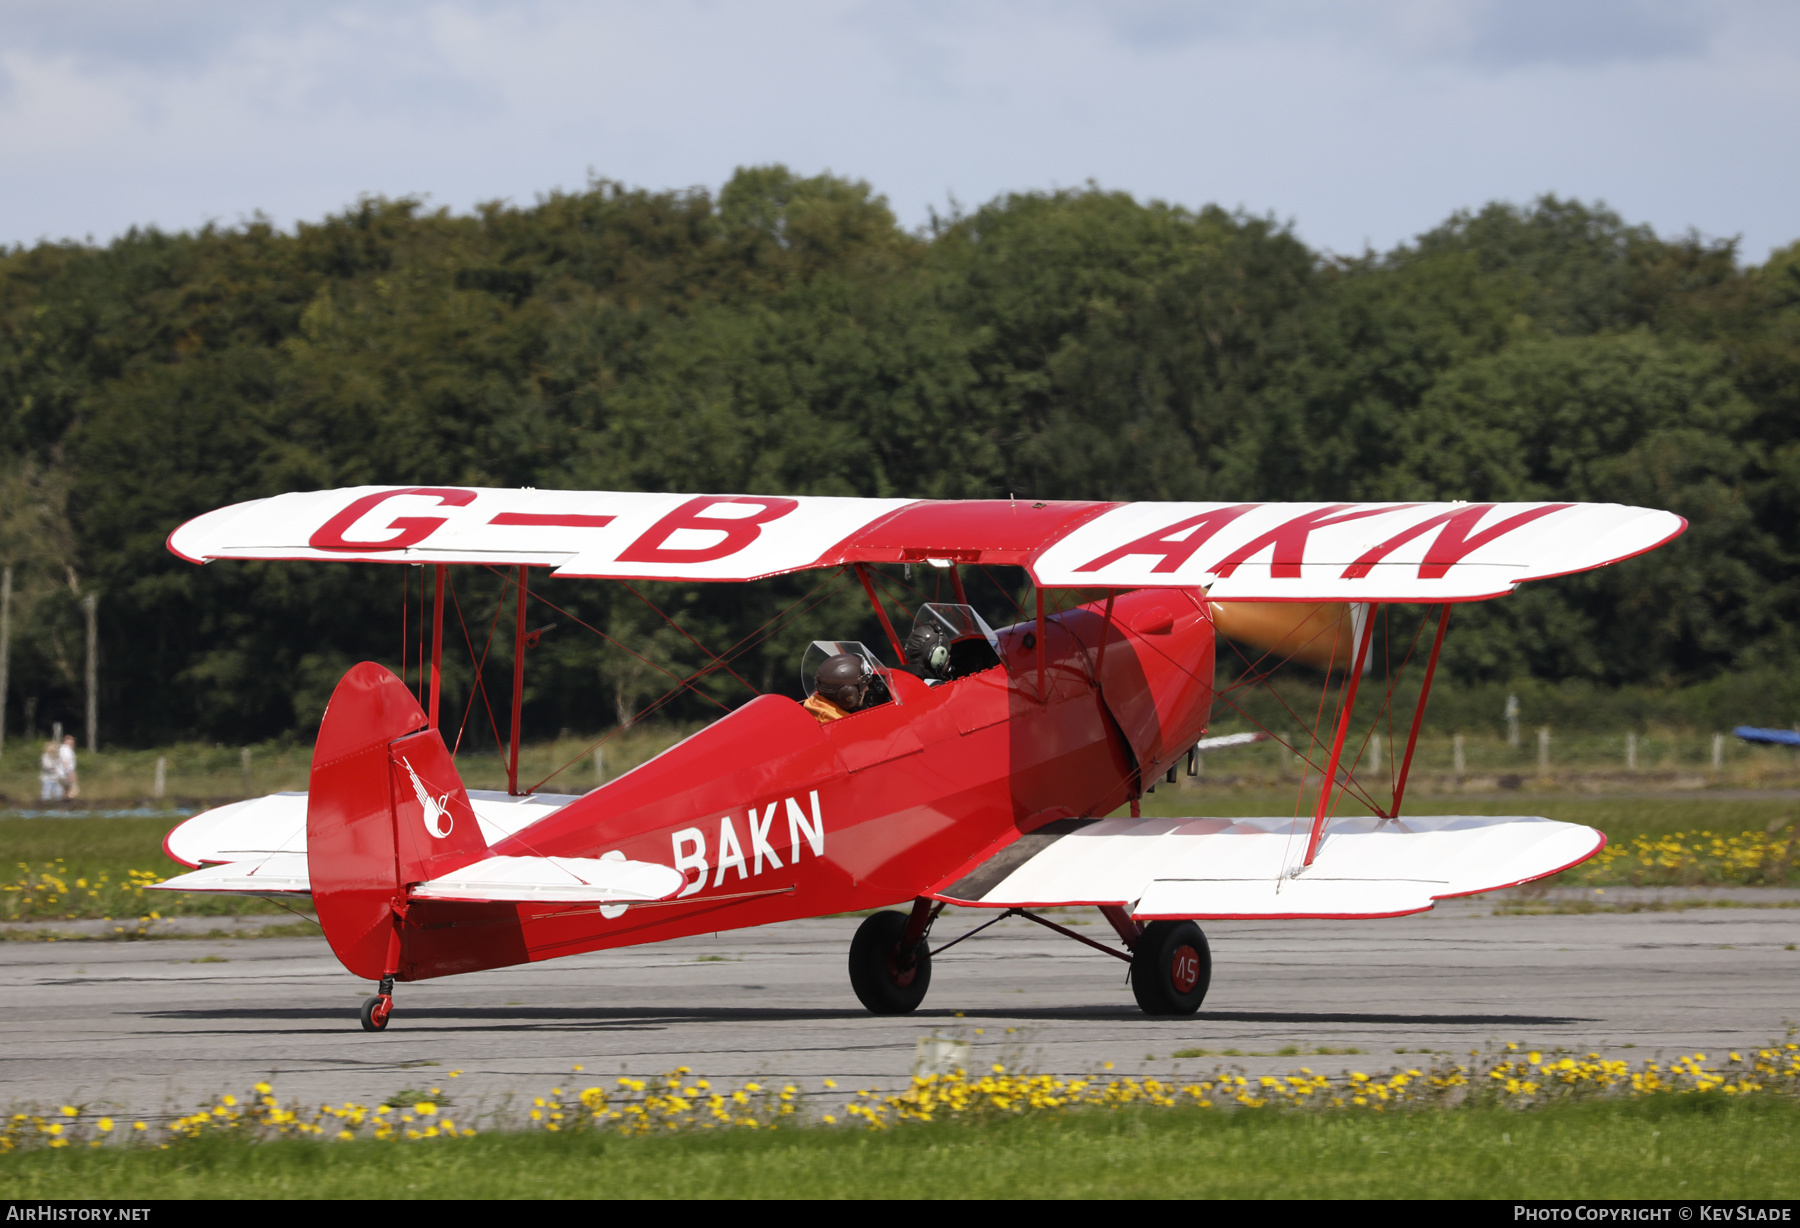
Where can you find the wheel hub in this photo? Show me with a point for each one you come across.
(900, 973)
(1184, 968)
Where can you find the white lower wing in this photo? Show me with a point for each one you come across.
(1220, 869)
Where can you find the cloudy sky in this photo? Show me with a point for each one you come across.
(1362, 122)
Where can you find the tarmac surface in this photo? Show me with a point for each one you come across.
(148, 1028)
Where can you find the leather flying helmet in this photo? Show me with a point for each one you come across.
(844, 680)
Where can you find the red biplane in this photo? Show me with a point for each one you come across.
(974, 768)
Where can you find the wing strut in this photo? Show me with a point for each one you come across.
(437, 640)
(1343, 728)
(1106, 624)
(862, 573)
(1043, 696)
(1412, 739)
(518, 696)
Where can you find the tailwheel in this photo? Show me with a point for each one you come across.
(886, 979)
(375, 1012)
(1171, 968)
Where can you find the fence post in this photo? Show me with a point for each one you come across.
(1456, 756)
(1543, 750)
(93, 671)
(161, 765)
(246, 771)
(599, 768)
(1718, 761)
(1375, 755)
(1631, 752)
(5, 647)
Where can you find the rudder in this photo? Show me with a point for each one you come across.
(385, 809)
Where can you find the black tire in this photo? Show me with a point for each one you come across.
(1171, 968)
(370, 1022)
(876, 972)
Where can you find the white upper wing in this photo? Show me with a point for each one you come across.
(1242, 551)
(618, 534)
(1349, 551)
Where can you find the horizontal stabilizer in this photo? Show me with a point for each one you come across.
(562, 880)
(276, 874)
(1222, 868)
(255, 828)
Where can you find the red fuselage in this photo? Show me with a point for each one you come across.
(772, 816)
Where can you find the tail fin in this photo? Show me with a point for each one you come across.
(385, 809)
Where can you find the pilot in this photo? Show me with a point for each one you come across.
(928, 653)
(842, 687)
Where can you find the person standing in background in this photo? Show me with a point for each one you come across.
(65, 768)
(49, 772)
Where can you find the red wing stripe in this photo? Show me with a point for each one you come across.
(552, 520)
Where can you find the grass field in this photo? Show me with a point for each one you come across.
(62, 869)
(54, 868)
(1673, 840)
(196, 774)
(1696, 1146)
(1619, 817)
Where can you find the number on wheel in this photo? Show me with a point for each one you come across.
(1171, 968)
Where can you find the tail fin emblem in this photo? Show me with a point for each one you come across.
(435, 807)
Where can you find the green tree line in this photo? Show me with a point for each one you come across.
(785, 334)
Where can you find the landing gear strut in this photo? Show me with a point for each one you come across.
(375, 1011)
(890, 959)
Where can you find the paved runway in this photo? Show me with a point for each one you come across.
(148, 1027)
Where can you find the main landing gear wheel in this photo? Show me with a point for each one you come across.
(887, 980)
(1171, 968)
(375, 1012)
